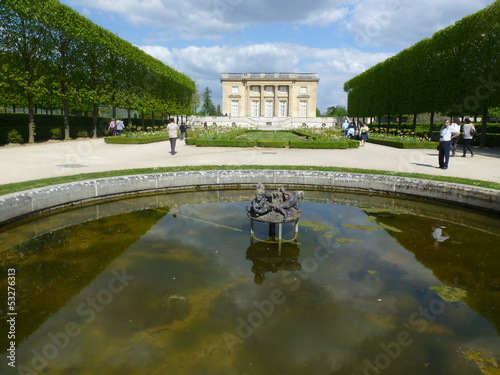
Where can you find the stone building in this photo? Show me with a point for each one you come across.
(269, 94)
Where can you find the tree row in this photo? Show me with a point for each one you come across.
(53, 57)
(455, 72)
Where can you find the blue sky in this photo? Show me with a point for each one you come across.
(338, 39)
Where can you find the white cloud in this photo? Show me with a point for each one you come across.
(401, 23)
(325, 18)
(192, 19)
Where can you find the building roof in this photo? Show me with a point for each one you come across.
(270, 76)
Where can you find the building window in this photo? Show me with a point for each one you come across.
(235, 108)
(255, 88)
(303, 108)
(282, 109)
(234, 90)
(255, 108)
(283, 89)
(269, 108)
(269, 89)
(303, 89)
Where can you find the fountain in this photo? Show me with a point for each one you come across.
(172, 283)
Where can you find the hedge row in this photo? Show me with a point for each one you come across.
(403, 144)
(323, 144)
(46, 125)
(273, 144)
(136, 141)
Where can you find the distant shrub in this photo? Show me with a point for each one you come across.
(56, 133)
(13, 136)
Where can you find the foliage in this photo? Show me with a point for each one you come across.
(222, 142)
(272, 144)
(341, 144)
(402, 142)
(234, 136)
(56, 133)
(136, 140)
(208, 107)
(82, 134)
(55, 58)
(455, 72)
(336, 111)
(13, 136)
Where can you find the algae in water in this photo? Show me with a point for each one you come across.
(449, 293)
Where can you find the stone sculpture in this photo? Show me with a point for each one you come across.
(276, 206)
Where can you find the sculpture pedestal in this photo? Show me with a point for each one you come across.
(274, 220)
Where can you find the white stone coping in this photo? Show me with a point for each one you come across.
(30, 202)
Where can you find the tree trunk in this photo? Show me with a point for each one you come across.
(94, 119)
(431, 126)
(66, 119)
(31, 116)
(482, 140)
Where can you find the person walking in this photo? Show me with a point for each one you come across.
(172, 135)
(112, 127)
(445, 137)
(345, 126)
(468, 132)
(119, 126)
(455, 133)
(182, 128)
(364, 134)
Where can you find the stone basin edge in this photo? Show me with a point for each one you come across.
(28, 203)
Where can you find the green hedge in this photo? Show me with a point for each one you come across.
(402, 144)
(45, 123)
(323, 144)
(136, 141)
(272, 144)
(221, 143)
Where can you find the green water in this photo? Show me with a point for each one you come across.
(174, 284)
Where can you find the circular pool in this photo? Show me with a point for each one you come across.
(175, 283)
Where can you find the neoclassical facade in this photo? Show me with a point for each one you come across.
(269, 94)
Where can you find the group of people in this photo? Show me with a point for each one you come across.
(355, 131)
(116, 127)
(448, 138)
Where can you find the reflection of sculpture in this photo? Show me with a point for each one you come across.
(275, 206)
(268, 257)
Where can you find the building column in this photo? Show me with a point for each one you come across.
(247, 101)
(288, 105)
(276, 101)
(262, 104)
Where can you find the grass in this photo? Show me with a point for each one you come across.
(20, 186)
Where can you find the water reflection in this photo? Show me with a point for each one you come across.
(167, 284)
(272, 257)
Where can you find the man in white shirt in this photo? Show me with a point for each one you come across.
(445, 137)
(172, 135)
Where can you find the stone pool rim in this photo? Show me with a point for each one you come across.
(23, 204)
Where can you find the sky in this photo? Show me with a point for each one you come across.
(338, 39)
